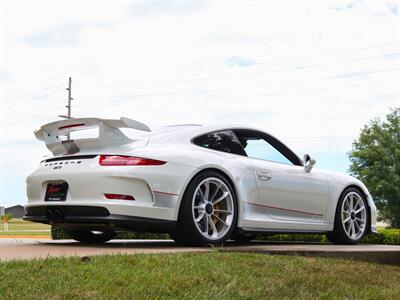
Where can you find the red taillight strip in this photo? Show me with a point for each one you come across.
(70, 126)
(281, 208)
(121, 160)
(119, 197)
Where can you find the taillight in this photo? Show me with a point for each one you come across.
(118, 160)
(119, 197)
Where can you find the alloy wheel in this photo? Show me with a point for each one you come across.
(213, 208)
(354, 215)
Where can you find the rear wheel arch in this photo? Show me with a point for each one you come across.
(221, 172)
(187, 230)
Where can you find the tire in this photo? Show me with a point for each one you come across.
(91, 237)
(243, 238)
(206, 217)
(350, 225)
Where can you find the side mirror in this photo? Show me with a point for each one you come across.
(309, 162)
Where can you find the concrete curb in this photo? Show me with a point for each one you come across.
(29, 248)
(383, 254)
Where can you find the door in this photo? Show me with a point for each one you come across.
(287, 192)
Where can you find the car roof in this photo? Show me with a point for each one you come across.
(185, 132)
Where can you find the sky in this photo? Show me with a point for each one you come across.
(312, 73)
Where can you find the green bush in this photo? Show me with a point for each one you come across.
(390, 236)
(315, 238)
(58, 234)
(385, 236)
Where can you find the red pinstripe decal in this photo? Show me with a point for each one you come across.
(165, 193)
(287, 209)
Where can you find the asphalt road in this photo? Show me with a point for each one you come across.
(17, 249)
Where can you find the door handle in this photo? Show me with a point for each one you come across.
(264, 175)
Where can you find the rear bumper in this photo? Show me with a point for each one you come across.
(156, 189)
(93, 218)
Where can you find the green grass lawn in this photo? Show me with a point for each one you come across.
(18, 227)
(32, 234)
(213, 275)
(19, 224)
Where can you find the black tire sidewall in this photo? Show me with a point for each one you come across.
(87, 236)
(186, 227)
(339, 235)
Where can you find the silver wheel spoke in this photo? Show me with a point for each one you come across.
(215, 192)
(358, 203)
(354, 215)
(206, 226)
(213, 202)
(359, 210)
(346, 220)
(360, 220)
(200, 216)
(224, 195)
(351, 201)
(348, 230)
(358, 226)
(213, 228)
(353, 229)
(219, 219)
(202, 196)
(222, 211)
(207, 190)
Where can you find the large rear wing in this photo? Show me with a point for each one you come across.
(109, 134)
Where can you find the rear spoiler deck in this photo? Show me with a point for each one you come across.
(109, 133)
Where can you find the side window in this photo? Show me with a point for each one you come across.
(224, 141)
(263, 146)
(259, 148)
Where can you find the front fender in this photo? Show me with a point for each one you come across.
(339, 182)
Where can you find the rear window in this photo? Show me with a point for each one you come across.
(224, 141)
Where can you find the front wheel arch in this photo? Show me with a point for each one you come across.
(339, 235)
(366, 199)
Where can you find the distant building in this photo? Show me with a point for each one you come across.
(17, 211)
(2, 210)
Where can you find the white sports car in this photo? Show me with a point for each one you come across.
(201, 184)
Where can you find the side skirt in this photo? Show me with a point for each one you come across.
(245, 230)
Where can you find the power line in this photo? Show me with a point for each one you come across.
(255, 95)
(17, 103)
(30, 115)
(245, 87)
(245, 74)
(273, 61)
(38, 92)
(68, 106)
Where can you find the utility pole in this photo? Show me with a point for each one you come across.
(68, 116)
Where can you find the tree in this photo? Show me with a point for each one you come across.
(375, 160)
(6, 218)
